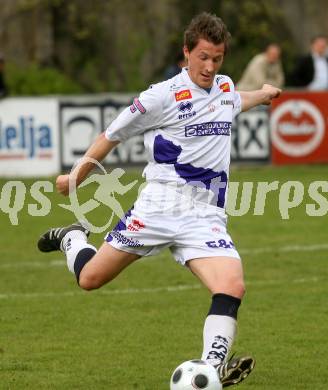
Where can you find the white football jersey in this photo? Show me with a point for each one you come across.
(187, 132)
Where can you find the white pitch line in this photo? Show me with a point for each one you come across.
(61, 263)
(34, 264)
(289, 248)
(150, 290)
(313, 279)
(103, 292)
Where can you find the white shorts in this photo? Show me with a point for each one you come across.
(168, 216)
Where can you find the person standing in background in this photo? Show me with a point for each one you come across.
(264, 68)
(311, 70)
(3, 86)
(174, 69)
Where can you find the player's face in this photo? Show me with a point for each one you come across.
(204, 62)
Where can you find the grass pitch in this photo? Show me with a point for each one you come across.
(132, 333)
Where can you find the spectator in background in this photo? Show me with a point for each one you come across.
(3, 87)
(264, 68)
(176, 68)
(311, 71)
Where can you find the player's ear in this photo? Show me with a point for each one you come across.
(186, 52)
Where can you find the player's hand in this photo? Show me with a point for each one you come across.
(62, 184)
(271, 92)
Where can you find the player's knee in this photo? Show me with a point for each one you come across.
(239, 289)
(233, 287)
(89, 282)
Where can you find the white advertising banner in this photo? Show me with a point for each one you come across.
(79, 128)
(251, 136)
(29, 137)
(81, 121)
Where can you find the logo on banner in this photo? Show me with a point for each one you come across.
(25, 139)
(183, 95)
(297, 128)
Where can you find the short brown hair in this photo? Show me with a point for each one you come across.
(209, 27)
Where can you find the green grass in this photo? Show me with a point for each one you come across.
(133, 332)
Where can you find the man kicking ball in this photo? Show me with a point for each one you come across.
(186, 122)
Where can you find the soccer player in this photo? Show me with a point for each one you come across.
(186, 122)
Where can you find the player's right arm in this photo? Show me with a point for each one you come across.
(144, 114)
(97, 151)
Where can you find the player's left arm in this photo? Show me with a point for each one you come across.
(250, 99)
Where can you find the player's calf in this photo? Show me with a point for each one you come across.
(105, 265)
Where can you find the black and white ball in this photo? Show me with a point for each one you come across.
(194, 375)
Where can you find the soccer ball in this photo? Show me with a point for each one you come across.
(195, 374)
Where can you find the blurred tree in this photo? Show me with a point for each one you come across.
(36, 80)
(111, 45)
(305, 19)
(114, 45)
(254, 24)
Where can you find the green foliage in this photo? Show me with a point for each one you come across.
(116, 45)
(35, 80)
(253, 25)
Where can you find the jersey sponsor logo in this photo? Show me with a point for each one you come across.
(219, 78)
(187, 115)
(183, 95)
(175, 87)
(185, 108)
(124, 240)
(211, 107)
(208, 128)
(227, 103)
(216, 229)
(220, 244)
(225, 87)
(136, 105)
(136, 225)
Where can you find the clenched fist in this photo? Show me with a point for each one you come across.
(62, 184)
(271, 92)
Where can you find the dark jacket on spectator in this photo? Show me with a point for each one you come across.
(303, 73)
(3, 87)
